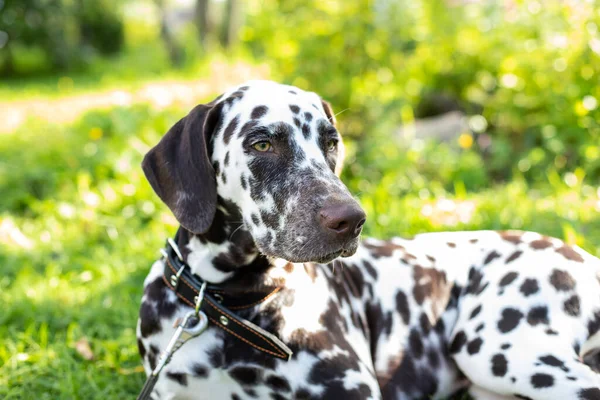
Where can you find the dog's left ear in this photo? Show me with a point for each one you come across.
(329, 112)
(180, 172)
(339, 164)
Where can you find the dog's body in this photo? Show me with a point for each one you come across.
(497, 314)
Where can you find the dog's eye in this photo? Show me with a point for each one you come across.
(263, 147)
(332, 144)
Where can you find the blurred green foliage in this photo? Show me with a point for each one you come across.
(529, 68)
(38, 36)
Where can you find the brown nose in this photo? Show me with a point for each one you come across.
(342, 219)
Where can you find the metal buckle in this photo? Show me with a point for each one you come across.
(175, 278)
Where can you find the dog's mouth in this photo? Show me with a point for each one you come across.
(346, 251)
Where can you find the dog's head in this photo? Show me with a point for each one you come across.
(273, 152)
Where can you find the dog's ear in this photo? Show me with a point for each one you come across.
(339, 164)
(180, 172)
(328, 112)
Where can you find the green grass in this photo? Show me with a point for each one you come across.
(91, 227)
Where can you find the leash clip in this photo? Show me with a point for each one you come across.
(191, 326)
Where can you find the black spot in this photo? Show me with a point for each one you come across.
(200, 370)
(244, 182)
(594, 323)
(551, 332)
(230, 130)
(589, 394)
(506, 346)
(529, 287)
(149, 321)
(248, 126)
(571, 378)
(433, 358)
(510, 319)
(295, 109)
(308, 116)
(278, 383)
(370, 269)
(245, 375)
(216, 167)
(475, 285)
(402, 307)
(306, 131)
(152, 356)
(235, 397)
(226, 161)
(244, 88)
(141, 348)
(178, 377)
(416, 344)
(255, 219)
(572, 306)
(491, 257)
(538, 315)
(539, 381)
(297, 123)
(480, 327)
(459, 341)
(554, 362)
(277, 396)
(520, 396)
(475, 312)
(474, 346)
(292, 92)
(425, 323)
(499, 365)
(259, 112)
(562, 280)
(224, 177)
(508, 278)
(514, 256)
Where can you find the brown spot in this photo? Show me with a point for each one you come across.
(289, 267)
(540, 244)
(431, 283)
(570, 254)
(383, 250)
(473, 240)
(512, 237)
(430, 258)
(452, 245)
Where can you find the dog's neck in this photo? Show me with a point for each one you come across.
(226, 254)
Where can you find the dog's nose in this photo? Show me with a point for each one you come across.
(343, 219)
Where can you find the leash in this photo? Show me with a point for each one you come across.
(211, 304)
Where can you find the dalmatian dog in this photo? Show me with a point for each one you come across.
(252, 177)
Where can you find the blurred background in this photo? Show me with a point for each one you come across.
(457, 114)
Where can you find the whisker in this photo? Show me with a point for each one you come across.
(335, 115)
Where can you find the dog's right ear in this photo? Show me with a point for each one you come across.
(180, 172)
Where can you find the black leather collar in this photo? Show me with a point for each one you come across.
(217, 305)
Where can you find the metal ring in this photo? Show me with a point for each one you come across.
(175, 278)
(200, 297)
(218, 297)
